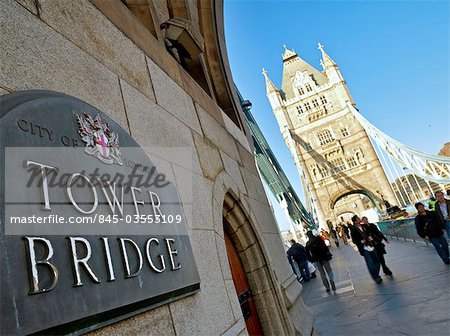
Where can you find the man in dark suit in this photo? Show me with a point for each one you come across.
(298, 253)
(363, 238)
(379, 246)
(429, 227)
(442, 208)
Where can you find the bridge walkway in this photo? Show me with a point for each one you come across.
(416, 301)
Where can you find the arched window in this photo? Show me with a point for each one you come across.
(308, 87)
(325, 137)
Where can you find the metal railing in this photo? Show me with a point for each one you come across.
(401, 229)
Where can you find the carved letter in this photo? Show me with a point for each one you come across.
(172, 253)
(155, 205)
(44, 181)
(136, 202)
(33, 274)
(115, 200)
(149, 258)
(23, 125)
(128, 273)
(111, 275)
(94, 191)
(76, 261)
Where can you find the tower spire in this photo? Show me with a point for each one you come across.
(270, 87)
(326, 60)
(288, 53)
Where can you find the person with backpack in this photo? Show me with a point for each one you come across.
(320, 255)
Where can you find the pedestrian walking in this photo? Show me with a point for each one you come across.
(320, 255)
(380, 248)
(298, 253)
(343, 234)
(430, 227)
(363, 238)
(442, 208)
(335, 236)
(291, 262)
(346, 231)
(325, 237)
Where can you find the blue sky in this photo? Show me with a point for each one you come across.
(394, 56)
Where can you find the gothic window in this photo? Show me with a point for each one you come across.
(301, 91)
(315, 103)
(323, 171)
(359, 156)
(325, 137)
(314, 171)
(344, 132)
(351, 162)
(299, 109)
(338, 164)
(323, 100)
(307, 106)
(308, 87)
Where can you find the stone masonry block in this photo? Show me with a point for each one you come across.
(34, 57)
(29, 4)
(155, 322)
(232, 168)
(172, 97)
(217, 133)
(209, 157)
(207, 312)
(89, 29)
(196, 191)
(223, 258)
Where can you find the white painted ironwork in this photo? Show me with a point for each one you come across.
(430, 167)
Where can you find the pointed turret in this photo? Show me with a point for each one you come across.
(330, 68)
(272, 92)
(326, 60)
(288, 53)
(270, 87)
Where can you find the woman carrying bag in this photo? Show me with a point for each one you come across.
(320, 255)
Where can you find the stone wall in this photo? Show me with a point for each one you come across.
(71, 47)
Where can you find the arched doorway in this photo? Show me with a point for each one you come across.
(356, 202)
(242, 286)
(345, 217)
(248, 248)
(352, 196)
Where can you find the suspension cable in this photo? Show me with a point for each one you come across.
(392, 175)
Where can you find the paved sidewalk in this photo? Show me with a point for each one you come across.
(416, 301)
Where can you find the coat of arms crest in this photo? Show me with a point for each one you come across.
(99, 139)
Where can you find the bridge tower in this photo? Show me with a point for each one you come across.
(336, 156)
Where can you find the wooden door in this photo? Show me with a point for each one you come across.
(243, 289)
